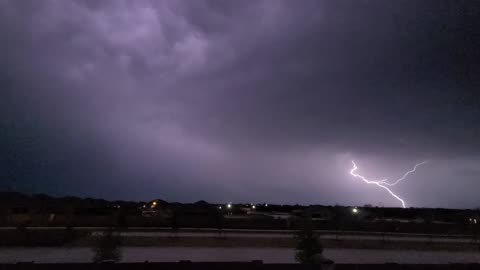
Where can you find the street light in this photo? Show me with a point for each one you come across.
(229, 205)
(355, 210)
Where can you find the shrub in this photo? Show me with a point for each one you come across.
(106, 247)
(308, 243)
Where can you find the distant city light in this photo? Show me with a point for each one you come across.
(229, 205)
(266, 205)
(355, 210)
(253, 207)
(154, 203)
(220, 207)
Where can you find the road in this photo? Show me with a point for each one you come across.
(267, 255)
(279, 234)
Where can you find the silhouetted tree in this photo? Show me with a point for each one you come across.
(106, 246)
(337, 220)
(174, 222)
(308, 243)
(219, 221)
(121, 218)
(69, 235)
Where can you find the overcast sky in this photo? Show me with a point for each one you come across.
(241, 101)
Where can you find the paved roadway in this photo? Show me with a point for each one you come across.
(268, 255)
(242, 233)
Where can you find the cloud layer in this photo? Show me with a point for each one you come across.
(241, 101)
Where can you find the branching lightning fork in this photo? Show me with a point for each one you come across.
(405, 175)
(383, 183)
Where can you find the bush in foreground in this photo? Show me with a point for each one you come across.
(309, 246)
(107, 247)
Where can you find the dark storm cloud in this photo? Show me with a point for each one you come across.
(213, 99)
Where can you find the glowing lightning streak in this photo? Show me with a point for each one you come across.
(378, 183)
(384, 182)
(405, 175)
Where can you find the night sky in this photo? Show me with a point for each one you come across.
(241, 101)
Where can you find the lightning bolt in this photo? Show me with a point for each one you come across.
(405, 175)
(383, 183)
